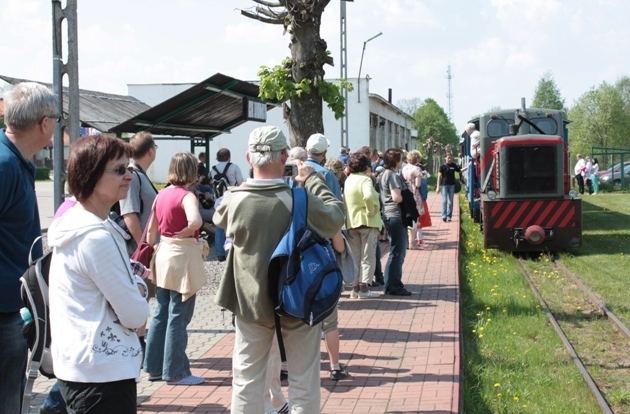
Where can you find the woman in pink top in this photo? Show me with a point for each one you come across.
(178, 271)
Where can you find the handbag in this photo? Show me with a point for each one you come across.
(458, 186)
(144, 251)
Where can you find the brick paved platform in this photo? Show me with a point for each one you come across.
(403, 353)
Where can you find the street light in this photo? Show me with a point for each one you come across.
(361, 65)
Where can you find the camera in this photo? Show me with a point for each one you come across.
(290, 170)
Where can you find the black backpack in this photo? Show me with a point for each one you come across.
(220, 182)
(36, 330)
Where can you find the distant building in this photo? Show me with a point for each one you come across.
(373, 122)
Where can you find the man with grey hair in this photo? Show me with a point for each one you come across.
(256, 215)
(317, 147)
(30, 116)
(297, 153)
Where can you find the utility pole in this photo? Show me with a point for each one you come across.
(70, 68)
(344, 73)
(449, 94)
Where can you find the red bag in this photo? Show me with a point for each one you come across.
(144, 251)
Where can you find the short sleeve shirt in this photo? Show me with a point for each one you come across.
(448, 173)
(234, 174)
(390, 181)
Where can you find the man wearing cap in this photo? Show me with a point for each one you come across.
(31, 117)
(317, 146)
(256, 215)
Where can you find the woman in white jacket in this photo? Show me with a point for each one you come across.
(96, 302)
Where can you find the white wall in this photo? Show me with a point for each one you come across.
(236, 142)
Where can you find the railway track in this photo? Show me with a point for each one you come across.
(609, 316)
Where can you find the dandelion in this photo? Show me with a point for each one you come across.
(481, 328)
(480, 336)
(488, 308)
(497, 385)
(499, 395)
(515, 398)
(489, 319)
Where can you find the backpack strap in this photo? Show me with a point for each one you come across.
(298, 220)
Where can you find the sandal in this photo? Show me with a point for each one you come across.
(339, 374)
(189, 380)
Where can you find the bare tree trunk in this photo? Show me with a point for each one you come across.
(308, 52)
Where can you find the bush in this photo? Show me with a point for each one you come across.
(42, 173)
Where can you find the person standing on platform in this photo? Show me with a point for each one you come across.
(234, 177)
(446, 183)
(263, 207)
(579, 168)
(31, 116)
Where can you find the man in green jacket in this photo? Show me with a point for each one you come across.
(256, 215)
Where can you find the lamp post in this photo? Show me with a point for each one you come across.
(361, 65)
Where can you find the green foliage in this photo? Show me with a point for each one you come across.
(432, 122)
(277, 83)
(42, 173)
(2, 125)
(599, 117)
(547, 95)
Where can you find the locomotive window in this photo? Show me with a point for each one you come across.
(498, 127)
(531, 170)
(548, 125)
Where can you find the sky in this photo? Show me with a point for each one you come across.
(497, 49)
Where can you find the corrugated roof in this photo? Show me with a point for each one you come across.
(206, 110)
(97, 109)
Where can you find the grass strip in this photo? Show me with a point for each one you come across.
(513, 360)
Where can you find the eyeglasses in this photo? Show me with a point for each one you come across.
(155, 146)
(120, 170)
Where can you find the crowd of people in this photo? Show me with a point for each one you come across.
(99, 298)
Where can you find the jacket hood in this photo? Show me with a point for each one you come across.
(74, 223)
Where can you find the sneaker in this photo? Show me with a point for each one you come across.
(354, 295)
(448, 219)
(420, 244)
(339, 374)
(444, 219)
(367, 295)
(284, 409)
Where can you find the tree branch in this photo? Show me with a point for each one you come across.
(260, 18)
(268, 3)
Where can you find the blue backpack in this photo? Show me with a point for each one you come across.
(304, 265)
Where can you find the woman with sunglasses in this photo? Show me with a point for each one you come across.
(96, 301)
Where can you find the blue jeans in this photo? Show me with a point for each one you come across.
(397, 252)
(378, 269)
(167, 338)
(219, 241)
(13, 354)
(55, 400)
(448, 192)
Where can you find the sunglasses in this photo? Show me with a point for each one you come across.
(120, 170)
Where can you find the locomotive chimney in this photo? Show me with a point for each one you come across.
(523, 105)
(389, 95)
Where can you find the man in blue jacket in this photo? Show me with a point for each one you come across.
(31, 116)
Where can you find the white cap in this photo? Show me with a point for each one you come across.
(317, 144)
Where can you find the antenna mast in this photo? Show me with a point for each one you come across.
(449, 94)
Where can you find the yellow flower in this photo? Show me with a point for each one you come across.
(499, 395)
(480, 336)
(515, 398)
(497, 385)
(488, 308)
